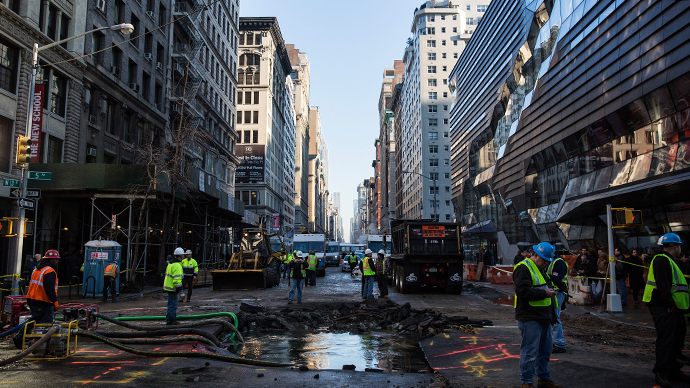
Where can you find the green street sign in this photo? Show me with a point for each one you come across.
(10, 183)
(41, 176)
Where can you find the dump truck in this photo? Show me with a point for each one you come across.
(426, 255)
(256, 263)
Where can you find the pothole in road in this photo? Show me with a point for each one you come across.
(378, 351)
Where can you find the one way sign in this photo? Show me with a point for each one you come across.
(26, 203)
(16, 193)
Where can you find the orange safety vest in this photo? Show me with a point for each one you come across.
(111, 270)
(36, 290)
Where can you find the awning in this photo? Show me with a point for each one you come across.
(487, 226)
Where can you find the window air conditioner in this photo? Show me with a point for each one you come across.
(91, 151)
(134, 87)
(149, 14)
(159, 66)
(148, 56)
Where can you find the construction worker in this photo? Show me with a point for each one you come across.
(352, 260)
(312, 263)
(297, 274)
(368, 275)
(42, 295)
(190, 268)
(382, 269)
(173, 286)
(558, 274)
(112, 271)
(284, 266)
(535, 305)
(666, 295)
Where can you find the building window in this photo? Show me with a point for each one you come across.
(430, 43)
(126, 136)
(469, 8)
(443, 17)
(96, 47)
(443, 43)
(445, 107)
(455, 55)
(8, 67)
(447, 176)
(256, 117)
(445, 68)
(6, 150)
(119, 12)
(447, 215)
(433, 122)
(162, 13)
(431, 30)
(433, 162)
(239, 98)
(470, 22)
(433, 149)
(247, 119)
(446, 148)
(432, 108)
(431, 82)
(445, 81)
(445, 134)
(447, 189)
(54, 150)
(481, 8)
(433, 189)
(443, 55)
(431, 56)
(134, 21)
(455, 43)
(433, 95)
(443, 29)
(455, 29)
(255, 135)
(433, 135)
(446, 162)
(445, 94)
(58, 94)
(256, 98)
(445, 121)
(248, 98)
(433, 176)
(146, 87)
(247, 137)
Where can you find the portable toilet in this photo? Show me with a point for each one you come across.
(98, 255)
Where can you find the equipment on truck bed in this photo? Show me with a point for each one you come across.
(255, 265)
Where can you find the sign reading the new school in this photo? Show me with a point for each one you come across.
(36, 122)
(252, 161)
(433, 231)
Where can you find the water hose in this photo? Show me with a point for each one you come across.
(155, 341)
(158, 333)
(187, 317)
(13, 330)
(31, 348)
(185, 354)
(205, 322)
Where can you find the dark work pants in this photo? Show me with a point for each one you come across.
(383, 284)
(670, 337)
(311, 277)
(108, 283)
(188, 284)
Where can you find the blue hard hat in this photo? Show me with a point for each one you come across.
(544, 250)
(669, 238)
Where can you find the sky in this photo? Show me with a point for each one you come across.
(348, 44)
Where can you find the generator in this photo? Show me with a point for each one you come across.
(82, 313)
(13, 309)
(60, 346)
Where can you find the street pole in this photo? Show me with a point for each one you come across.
(613, 300)
(435, 203)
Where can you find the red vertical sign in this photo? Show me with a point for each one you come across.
(36, 122)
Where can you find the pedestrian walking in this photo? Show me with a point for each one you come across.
(621, 276)
(190, 269)
(666, 295)
(112, 271)
(558, 275)
(312, 263)
(298, 274)
(382, 271)
(368, 275)
(636, 275)
(535, 305)
(173, 285)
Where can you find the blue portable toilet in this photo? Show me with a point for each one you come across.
(98, 255)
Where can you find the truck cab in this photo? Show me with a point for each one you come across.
(333, 254)
(307, 242)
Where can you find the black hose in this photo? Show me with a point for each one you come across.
(152, 341)
(159, 333)
(152, 353)
(204, 322)
(31, 348)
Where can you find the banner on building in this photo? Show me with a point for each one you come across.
(37, 122)
(252, 161)
(276, 221)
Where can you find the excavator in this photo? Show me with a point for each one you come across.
(255, 265)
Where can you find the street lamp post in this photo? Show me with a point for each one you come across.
(16, 267)
(435, 189)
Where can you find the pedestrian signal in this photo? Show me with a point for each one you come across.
(23, 150)
(628, 217)
(5, 227)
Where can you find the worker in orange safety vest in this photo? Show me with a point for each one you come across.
(112, 271)
(42, 295)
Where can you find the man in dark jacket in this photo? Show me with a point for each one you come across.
(298, 272)
(535, 305)
(518, 258)
(636, 274)
(621, 276)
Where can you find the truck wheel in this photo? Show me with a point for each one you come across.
(454, 290)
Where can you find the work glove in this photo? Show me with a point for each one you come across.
(181, 297)
(57, 305)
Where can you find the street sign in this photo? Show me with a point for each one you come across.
(26, 203)
(10, 182)
(33, 193)
(41, 176)
(16, 193)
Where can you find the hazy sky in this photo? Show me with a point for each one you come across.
(349, 44)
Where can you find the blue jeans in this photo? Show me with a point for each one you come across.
(43, 314)
(558, 328)
(368, 287)
(171, 314)
(622, 290)
(535, 349)
(296, 284)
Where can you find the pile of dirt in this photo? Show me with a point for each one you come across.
(354, 317)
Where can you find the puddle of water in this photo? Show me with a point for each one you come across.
(331, 351)
(508, 300)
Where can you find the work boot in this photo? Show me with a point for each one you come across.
(527, 385)
(547, 384)
(662, 380)
(289, 302)
(558, 349)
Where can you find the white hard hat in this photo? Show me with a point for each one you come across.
(179, 251)
(299, 253)
(188, 252)
(382, 252)
(367, 252)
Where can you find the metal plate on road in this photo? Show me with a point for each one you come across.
(41, 176)
(10, 182)
(16, 193)
(26, 203)
(33, 193)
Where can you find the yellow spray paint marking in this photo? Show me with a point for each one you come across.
(161, 361)
(446, 335)
(132, 376)
(9, 382)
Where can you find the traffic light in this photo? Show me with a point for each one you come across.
(5, 227)
(23, 150)
(628, 217)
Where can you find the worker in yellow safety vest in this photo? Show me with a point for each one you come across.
(173, 286)
(368, 275)
(535, 306)
(666, 295)
(312, 263)
(190, 269)
(112, 271)
(297, 275)
(558, 274)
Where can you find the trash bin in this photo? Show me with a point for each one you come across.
(98, 255)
